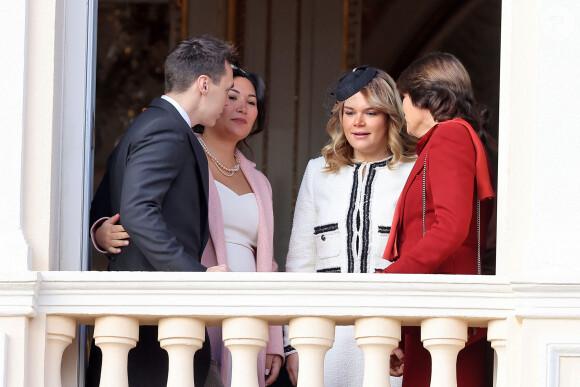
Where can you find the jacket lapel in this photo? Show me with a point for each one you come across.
(391, 250)
(195, 146)
(264, 250)
(216, 225)
(201, 161)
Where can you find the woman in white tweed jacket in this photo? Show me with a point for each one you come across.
(342, 219)
(347, 200)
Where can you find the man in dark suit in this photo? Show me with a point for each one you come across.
(157, 179)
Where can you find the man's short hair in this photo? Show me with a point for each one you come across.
(191, 58)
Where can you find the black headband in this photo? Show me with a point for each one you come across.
(354, 81)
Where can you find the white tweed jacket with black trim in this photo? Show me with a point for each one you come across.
(342, 220)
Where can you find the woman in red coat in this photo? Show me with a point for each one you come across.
(441, 217)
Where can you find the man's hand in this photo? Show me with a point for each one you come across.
(218, 268)
(273, 365)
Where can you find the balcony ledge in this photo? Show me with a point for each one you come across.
(281, 296)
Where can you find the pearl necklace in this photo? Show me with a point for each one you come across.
(229, 172)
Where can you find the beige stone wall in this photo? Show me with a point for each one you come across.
(17, 361)
(550, 351)
(41, 143)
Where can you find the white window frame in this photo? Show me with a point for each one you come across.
(78, 106)
(77, 102)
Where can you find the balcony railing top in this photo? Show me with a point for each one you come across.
(280, 296)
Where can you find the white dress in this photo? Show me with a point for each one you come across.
(240, 218)
(341, 224)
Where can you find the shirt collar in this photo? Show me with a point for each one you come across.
(424, 139)
(178, 107)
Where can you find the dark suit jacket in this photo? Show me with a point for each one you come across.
(157, 179)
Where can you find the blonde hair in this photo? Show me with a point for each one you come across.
(382, 95)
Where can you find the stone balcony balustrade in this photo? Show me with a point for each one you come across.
(244, 304)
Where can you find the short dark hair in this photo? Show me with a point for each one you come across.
(440, 83)
(191, 58)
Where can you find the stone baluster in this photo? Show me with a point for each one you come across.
(60, 332)
(115, 335)
(312, 337)
(497, 336)
(245, 337)
(181, 337)
(377, 337)
(443, 338)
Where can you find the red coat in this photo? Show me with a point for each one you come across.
(450, 242)
(457, 168)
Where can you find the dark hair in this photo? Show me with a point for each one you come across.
(440, 83)
(191, 58)
(260, 89)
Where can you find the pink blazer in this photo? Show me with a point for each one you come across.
(215, 254)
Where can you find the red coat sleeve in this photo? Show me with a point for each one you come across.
(450, 187)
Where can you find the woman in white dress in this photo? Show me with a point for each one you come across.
(347, 199)
(240, 212)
